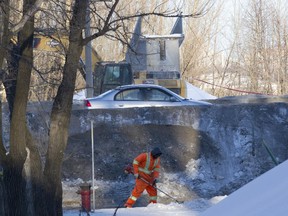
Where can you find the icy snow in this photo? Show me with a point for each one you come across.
(264, 196)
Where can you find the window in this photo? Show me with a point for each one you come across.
(162, 44)
(143, 94)
(112, 75)
(129, 95)
(156, 95)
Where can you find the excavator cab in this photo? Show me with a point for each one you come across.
(109, 75)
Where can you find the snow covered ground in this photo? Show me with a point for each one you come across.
(264, 196)
(192, 208)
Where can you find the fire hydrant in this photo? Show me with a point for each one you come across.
(85, 193)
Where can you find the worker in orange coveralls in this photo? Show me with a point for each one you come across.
(146, 166)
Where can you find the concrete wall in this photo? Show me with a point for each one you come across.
(213, 150)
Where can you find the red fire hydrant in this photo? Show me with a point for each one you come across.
(85, 197)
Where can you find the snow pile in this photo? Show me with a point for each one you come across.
(264, 196)
(197, 94)
(78, 96)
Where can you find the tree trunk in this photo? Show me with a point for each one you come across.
(5, 36)
(15, 181)
(3, 202)
(34, 176)
(61, 111)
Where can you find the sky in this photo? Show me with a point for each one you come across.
(264, 196)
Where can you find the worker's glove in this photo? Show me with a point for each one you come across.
(154, 182)
(136, 176)
(128, 169)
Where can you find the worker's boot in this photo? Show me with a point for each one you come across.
(127, 205)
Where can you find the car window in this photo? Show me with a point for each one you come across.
(156, 95)
(129, 95)
(143, 94)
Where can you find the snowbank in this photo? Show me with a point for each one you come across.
(264, 196)
(197, 94)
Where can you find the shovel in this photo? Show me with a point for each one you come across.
(129, 170)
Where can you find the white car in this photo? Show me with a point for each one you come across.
(142, 95)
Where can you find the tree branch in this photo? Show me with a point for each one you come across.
(108, 22)
(34, 8)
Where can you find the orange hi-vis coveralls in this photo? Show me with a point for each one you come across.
(148, 168)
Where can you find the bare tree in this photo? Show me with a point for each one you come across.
(20, 137)
(254, 59)
(200, 52)
(259, 58)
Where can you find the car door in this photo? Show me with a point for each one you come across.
(156, 98)
(128, 98)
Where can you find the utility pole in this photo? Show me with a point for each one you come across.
(88, 52)
(88, 57)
